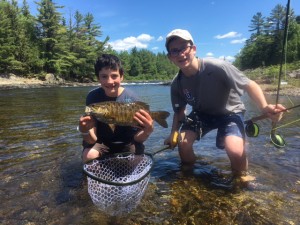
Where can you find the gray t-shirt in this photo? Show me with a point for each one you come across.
(215, 89)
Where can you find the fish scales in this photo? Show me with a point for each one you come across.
(123, 113)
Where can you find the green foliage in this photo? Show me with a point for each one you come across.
(270, 74)
(68, 47)
(264, 48)
(49, 43)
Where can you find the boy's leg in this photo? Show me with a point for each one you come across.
(185, 146)
(235, 149)
(231, 136)
(91, 153)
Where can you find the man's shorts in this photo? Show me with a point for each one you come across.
(227, 125)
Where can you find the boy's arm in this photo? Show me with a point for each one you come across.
(87, 129)
(256, 94)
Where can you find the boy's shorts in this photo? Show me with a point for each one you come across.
(112, 148)
(227, 125)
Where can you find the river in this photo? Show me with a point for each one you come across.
(42, 180)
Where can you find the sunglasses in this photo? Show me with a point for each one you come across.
(176, 52)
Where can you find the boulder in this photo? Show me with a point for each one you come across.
(50, 78)
(295, 74)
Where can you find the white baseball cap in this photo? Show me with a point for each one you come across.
(183, 34)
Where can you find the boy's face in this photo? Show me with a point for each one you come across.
(110, 81)
(181, 52)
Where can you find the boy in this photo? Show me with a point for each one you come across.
(99, 138)
(213, 88)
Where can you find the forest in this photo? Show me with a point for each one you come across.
(67, 46)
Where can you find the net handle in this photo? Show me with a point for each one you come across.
(114, 182)
(165, 147)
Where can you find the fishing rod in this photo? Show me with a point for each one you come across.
(264, 116)
(252, 129)
(277, 139)
(283, 48)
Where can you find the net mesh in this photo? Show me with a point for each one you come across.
(117, 184)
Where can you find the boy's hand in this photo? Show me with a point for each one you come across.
(86, 123)
(274, 112)
(145, 121)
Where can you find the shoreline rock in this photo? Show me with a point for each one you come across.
(12, 82)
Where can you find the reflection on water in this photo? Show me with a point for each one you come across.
(42, 181)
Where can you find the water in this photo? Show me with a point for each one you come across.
(42, 181)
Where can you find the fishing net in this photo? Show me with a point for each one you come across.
(117, 183)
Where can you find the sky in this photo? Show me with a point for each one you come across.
(219, 27)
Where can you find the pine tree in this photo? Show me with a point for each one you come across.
(257, 23)
(49, 26)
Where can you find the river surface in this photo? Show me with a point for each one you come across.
(42, 180)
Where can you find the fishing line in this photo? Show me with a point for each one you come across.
(286, 124)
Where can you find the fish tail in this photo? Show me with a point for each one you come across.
(160, 117)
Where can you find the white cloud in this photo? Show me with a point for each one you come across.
(238, 41)
(144, 37)
(160, 38)
(127, 43)
(231, 34)
(209, 54)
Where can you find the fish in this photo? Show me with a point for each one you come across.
(121, 113)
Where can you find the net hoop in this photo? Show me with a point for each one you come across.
(117, 182)
(121, 168)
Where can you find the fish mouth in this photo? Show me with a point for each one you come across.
(88, 110)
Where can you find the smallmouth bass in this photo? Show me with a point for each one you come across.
(121, 113)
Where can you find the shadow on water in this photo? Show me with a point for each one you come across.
(42, 179)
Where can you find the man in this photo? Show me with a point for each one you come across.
(213, 88)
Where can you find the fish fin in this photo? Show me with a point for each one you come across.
(160, 117)
(112, 127)
(143, 105)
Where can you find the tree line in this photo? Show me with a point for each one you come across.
(264, 47)
(32, 46)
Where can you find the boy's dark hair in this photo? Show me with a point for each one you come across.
(108, 61)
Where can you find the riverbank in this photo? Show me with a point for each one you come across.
(13, 82)
(20, 82)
